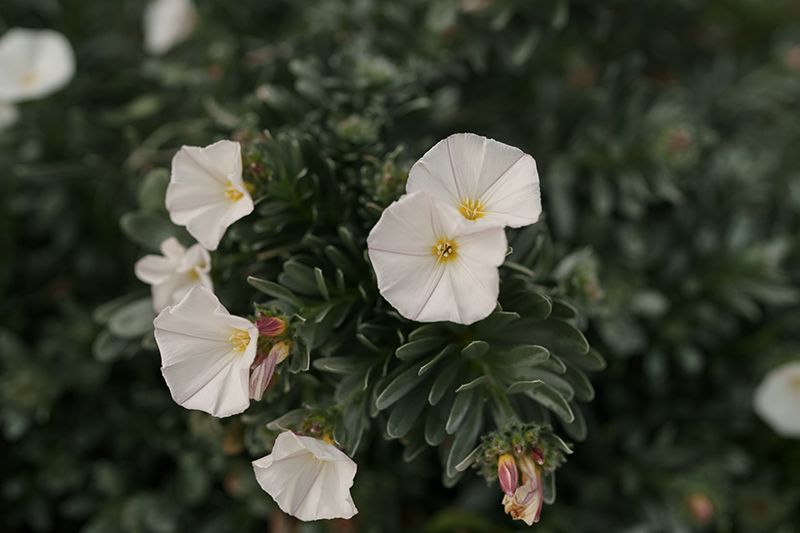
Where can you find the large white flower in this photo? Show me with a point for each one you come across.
(206, 354)
(777, 399)
(206, 192)
(167, 23)
(308, 478)
(33, 64)
(486, 181)
(175, 272)
(432, 265)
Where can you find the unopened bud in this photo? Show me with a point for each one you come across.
(261, 374)
(281, 350)
(270, 326)
(507, 473)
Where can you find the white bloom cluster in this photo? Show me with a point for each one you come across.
(436, 251)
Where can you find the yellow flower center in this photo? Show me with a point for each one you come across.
(232, 192)
(795, 383)
(239, 339)
(29, 78)
(471, 209)
(445, 250)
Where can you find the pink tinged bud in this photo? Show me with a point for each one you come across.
(280, 350)
(538, 456)
(261, 374)
(507, 473)
(270, 326)
(526, 502)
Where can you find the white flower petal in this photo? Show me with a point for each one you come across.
(308, 478)
(501, 179)
(203, 368)
(167, 23)
(777, 399)
(33, 63)
(206, 192)
(413, 279)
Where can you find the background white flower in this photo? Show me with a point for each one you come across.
(308, 478)
(431, 265)
(206, 354)
(167, 23)
(777, 399)
(9, 114)
(174, 272)
(33, 64)
(484, 180)
(206, 192)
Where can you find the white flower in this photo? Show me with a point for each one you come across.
(206, 192)
(167, 23)
(484, 180)
(308, 478)
(206, 354)
(432, 265)
(175, 272)
(777, 399)
(33, 64)
(9, 114)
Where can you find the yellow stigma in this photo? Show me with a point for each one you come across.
(471, 209)
(445, 250)
(232, 192)
(240, 339)
(29, 78)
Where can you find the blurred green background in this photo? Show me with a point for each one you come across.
(666, 135)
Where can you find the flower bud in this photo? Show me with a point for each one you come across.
(261, 374)
(526, 502)
(507, 473)
(280, 350)
(270, 326)
(538, 456)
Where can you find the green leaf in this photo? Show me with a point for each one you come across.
(591, 361)
(399, 387)
(552, 333)
(477, 382)
(577, 428)
(475, 350)
(339, 365)
(404, 414)
(444, 382)
(147, 229)
(418, 348)
(445, 352)
(153, 190)
(322, 287)
(584, 391)
(464, 402)
(273, 289)
(107, 347)
(465, 439)
(133, 319)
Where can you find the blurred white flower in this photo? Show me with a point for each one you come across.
(777, 399)
(486, 181)
(167, 23)
(206, 192)
(174, 272)
(206, 354)
(33, 64)
(9, 114)
(432, 265)
(308, 478)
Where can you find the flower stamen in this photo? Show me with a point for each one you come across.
(445, 250)
(232, 192)
(240, 339)
(471, 209)
(29, 78)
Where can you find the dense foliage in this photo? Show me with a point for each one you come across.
(664, 135)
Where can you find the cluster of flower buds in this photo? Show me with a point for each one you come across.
(520, 478)
(273, 348)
